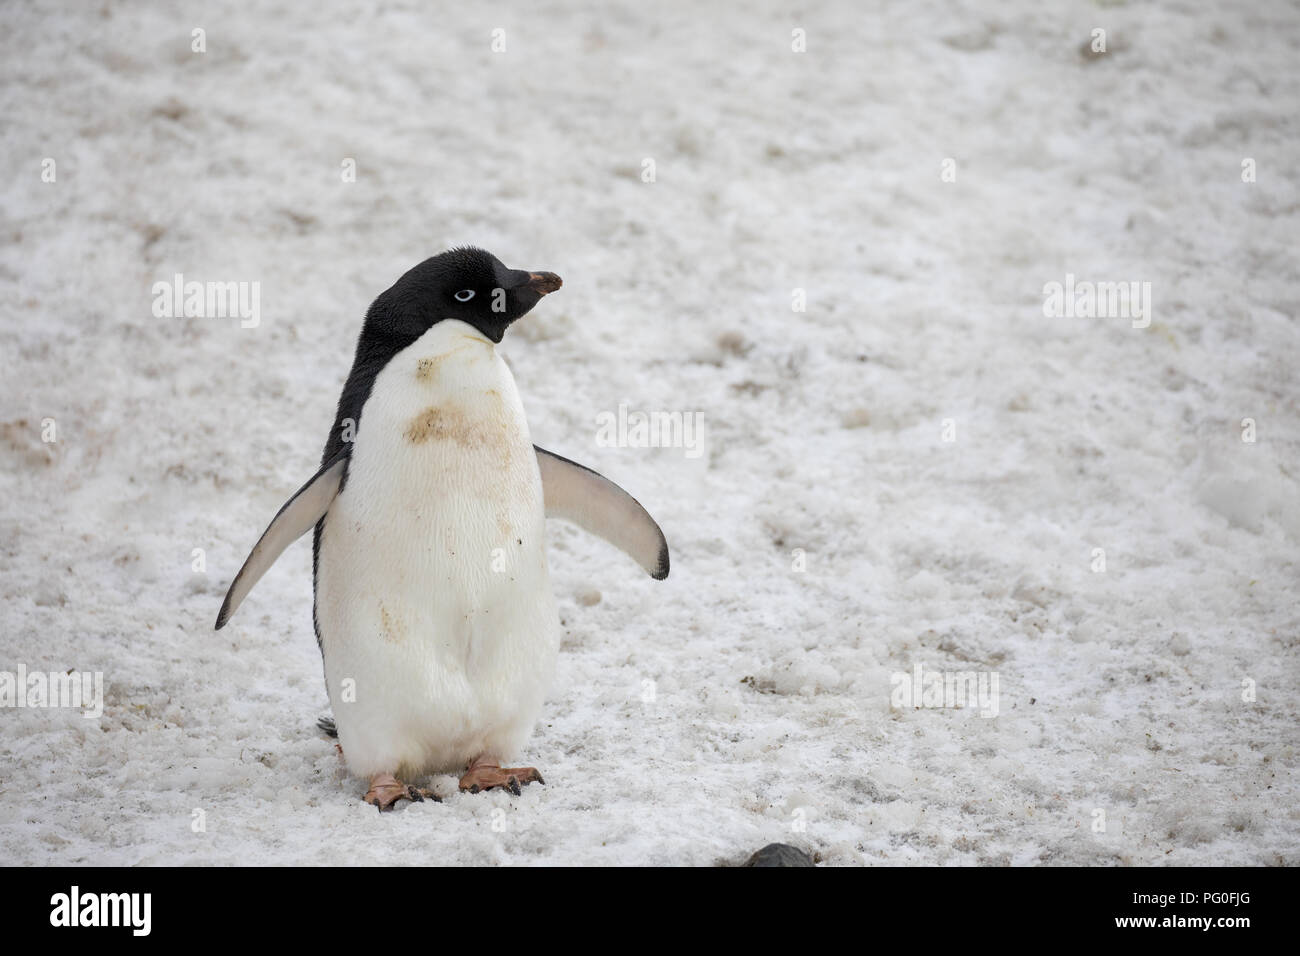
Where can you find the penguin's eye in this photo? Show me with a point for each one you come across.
(464, 295)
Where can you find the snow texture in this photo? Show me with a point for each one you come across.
(741, 701)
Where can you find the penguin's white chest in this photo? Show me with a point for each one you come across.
(433, 601)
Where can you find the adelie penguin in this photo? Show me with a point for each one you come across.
(433, 605)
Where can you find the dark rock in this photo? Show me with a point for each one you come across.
(780, 854)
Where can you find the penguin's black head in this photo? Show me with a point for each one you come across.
(467, 284)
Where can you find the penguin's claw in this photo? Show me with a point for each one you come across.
(484, 776)
(386, 790)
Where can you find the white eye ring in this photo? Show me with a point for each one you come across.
(464, 295)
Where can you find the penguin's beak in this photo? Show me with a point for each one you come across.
(543, 282)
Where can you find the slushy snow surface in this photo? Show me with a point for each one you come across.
(827, 539)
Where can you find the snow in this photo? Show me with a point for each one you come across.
(739, 702)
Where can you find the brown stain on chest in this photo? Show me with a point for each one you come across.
(426, 369)
(393, 628)
(450, 423)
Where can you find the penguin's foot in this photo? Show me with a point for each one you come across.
(385, 790)
(485, 773)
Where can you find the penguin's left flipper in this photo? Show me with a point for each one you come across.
(298, 516)
(594, 503)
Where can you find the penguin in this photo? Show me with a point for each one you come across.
(432, 601)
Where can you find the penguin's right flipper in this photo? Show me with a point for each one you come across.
(298, 516)
(591, 501)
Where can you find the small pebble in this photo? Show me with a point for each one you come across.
(780, 854)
